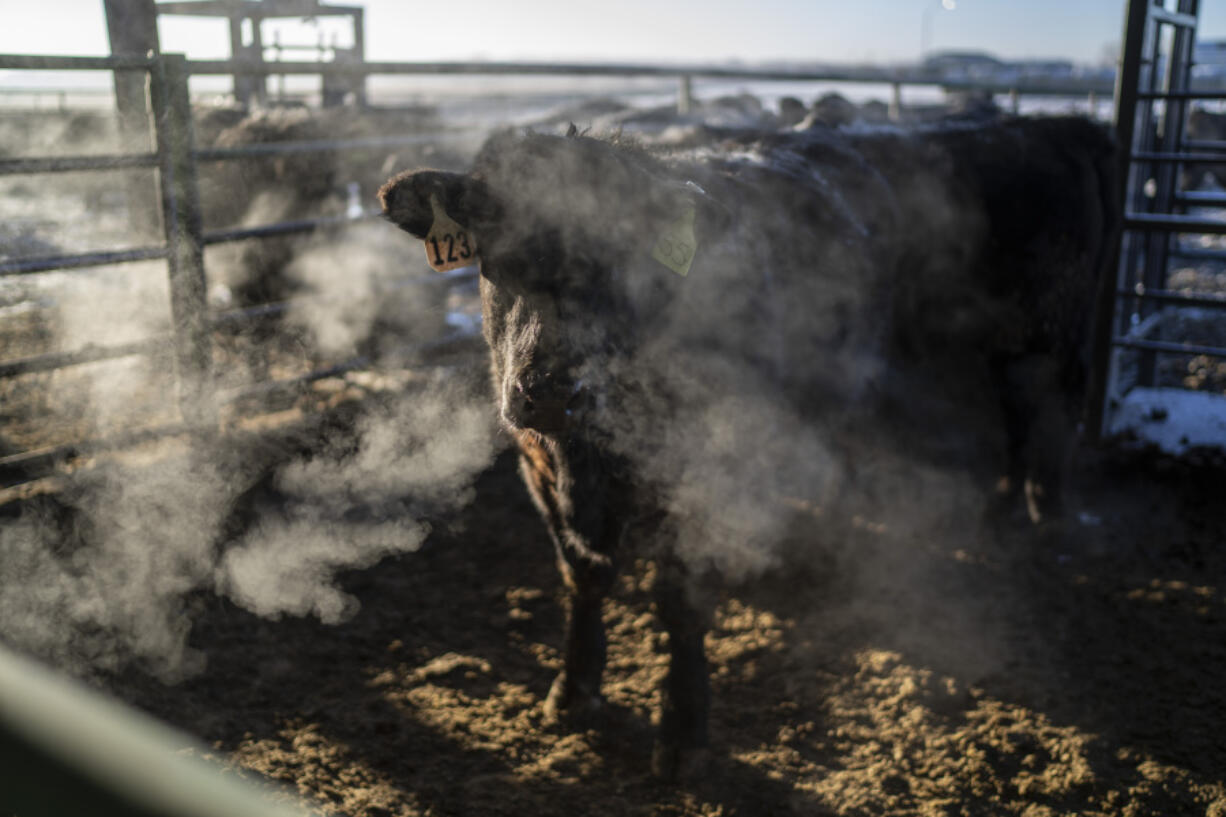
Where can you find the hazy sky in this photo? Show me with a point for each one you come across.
(645, 30)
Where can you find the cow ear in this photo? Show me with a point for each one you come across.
(412, 199)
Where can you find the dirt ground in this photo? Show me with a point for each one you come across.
(1014, 672)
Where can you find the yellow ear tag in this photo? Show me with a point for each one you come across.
(676, 246)
(448, 245)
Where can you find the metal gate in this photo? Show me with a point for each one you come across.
(1161, 342)
(175, 159)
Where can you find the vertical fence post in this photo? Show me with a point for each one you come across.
(895, 108)
(184, 239)
(685, 95)
(1127, 88)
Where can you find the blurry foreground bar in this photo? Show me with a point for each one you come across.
(65, 749)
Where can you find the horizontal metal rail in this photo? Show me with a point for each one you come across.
(855, 73)
(305, 225)
(1168, 296)
(1184, 158)
(1198, 253)
(314, 146)
(1198, 198)
(456, 339)
(1195, 93)
(1205, 144)
(1167, 347)
(67, 63)
(1173, 223)
(196, 8)
(251, 314)
(46, 263)
(1174, 18)
(67, 164)
(87, 354)
(18, 468)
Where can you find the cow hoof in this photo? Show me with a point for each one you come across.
(673, 764)
(571, 703)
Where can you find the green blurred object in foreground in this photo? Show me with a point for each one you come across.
(66, 749)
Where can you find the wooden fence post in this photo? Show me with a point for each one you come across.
(184, 239)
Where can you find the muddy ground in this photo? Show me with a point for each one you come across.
(998, 670)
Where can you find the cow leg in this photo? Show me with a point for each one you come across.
(681, 745)
(576, 691)
(1039, 432)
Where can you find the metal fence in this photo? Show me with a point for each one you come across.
(1152, 326)
(176, 160)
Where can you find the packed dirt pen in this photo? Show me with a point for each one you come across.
(907, 663)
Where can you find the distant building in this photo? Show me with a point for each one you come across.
(1044, 69)
(963, 65)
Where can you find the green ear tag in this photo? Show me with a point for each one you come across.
(448, 245)
(676, 246)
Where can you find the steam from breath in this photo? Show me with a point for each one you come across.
(109, 571)
(418, 456)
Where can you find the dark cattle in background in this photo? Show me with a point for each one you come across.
(825, 266)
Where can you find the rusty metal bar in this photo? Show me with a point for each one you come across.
(182, 223)
(46, 263)
(68, 164)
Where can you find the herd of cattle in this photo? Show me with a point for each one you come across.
(830, 273)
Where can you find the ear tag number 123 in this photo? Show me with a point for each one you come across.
(448, 245)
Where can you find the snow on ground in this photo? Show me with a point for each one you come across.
(1175, 420)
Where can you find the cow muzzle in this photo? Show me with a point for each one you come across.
(541, 404)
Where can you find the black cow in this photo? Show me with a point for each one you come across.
(663, 325)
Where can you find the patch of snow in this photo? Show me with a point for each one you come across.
(1175, 420)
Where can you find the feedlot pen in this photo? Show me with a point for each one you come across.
(912, 673)
(190, 382)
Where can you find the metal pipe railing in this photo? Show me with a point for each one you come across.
(69, 164)
(255, 149)
(86, 354)
(1166, 296)
(46, 263)
(1170, 347)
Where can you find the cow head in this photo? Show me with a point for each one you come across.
(568, 231)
